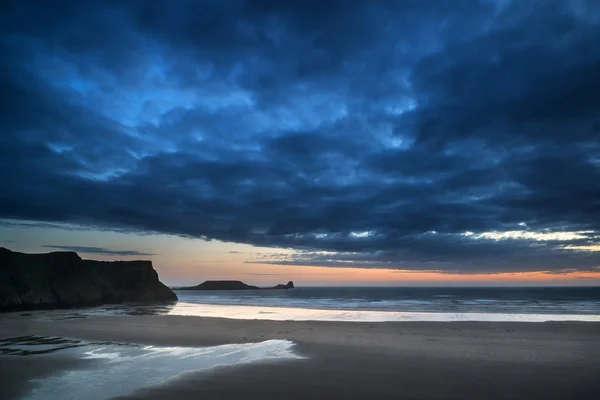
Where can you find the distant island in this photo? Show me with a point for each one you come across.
(233, 285)
(63, 280)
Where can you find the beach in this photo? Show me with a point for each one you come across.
(402, 360)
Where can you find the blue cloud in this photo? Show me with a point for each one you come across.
(302, 124)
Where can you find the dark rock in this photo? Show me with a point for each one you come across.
(289, 285)
(220, 285)
(64, 280)
(232, 285)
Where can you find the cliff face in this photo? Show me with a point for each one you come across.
(63, 280)
(232, 285)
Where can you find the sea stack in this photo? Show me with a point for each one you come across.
(233, 285)
(289, 285)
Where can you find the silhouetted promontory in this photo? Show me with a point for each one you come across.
(233, 285)
(63, 280)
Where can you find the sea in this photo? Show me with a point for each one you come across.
(527, 304)
(370, 304)
(510, 300)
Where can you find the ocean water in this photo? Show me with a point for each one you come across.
(505, 300)
(368, 304)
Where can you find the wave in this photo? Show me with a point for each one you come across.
(373, 300)
(310, 314)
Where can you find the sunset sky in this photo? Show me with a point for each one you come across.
(325, 142)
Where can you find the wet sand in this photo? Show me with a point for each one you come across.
(402, 360)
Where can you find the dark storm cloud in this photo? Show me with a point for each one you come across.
(98, 250)
(390, 134)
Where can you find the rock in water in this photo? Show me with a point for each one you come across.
(232, 285)
(64, 280)
(289, 285)
(220, 285)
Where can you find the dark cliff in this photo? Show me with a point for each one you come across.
(232, 285)
(64, 280)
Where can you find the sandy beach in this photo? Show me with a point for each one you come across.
(402, 360)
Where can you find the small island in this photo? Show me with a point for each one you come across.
(233, 285)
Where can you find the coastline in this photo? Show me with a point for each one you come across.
(295, 314)
(352, 315)
(417, 336)
(411, 360)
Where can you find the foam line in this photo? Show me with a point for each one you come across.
(305, 314)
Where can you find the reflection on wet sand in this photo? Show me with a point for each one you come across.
(32, 345)
(121, 309)
(119, 369)
(35, 345)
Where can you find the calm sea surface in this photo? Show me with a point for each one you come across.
(367, 304)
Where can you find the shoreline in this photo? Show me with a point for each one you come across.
(351, 315)
(268, 313)
(176, 330)
(402, 360)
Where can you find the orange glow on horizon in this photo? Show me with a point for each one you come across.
(186, 261)
(324, 276)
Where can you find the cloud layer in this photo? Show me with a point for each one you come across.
(97, 250)
(402, 134)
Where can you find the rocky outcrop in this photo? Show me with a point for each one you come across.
(64, 280)
(289, 285)
(232, 285)
(220, 285)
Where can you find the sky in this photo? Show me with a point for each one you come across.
(330, 142)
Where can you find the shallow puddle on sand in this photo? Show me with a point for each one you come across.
(122, 368)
